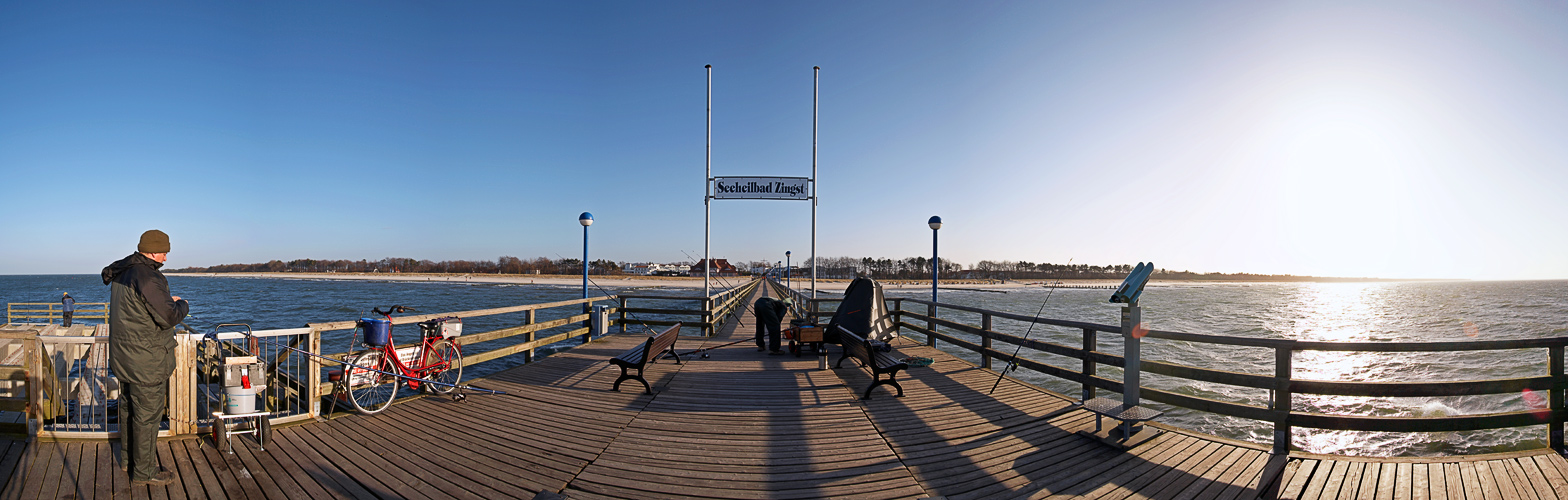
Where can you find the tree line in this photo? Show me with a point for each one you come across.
(503, 265)
(828, 267)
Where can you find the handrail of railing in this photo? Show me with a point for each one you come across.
(711, 310)
(1282, 384)
(54, 311)
(801, 307)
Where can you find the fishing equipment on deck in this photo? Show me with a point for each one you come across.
(244, 378)
(863, 312)
(1012, 363)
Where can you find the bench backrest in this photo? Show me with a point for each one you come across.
(657, 344)
(855, 346)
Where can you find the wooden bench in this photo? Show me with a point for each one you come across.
(877, 361)
(638, 357)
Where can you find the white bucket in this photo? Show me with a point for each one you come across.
(240, 399)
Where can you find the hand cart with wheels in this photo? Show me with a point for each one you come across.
(805, 338)
(244, 400)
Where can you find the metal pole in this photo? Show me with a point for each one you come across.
(787, 270)
(815, 71)
(707, 190)
(933, 265)
(1132, 315)
(586, 219)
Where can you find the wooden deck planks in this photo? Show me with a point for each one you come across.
(746, 425)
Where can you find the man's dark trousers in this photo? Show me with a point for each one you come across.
(768, 320)
(68, 317)
(142, 459)
(772, 328)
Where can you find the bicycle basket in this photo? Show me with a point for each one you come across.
(377, 331)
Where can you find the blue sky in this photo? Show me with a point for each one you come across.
(1391, 139)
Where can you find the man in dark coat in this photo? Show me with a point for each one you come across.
(142, 317)
(769, 313)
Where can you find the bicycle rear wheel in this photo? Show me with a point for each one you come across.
(368, 391)
(446, 364)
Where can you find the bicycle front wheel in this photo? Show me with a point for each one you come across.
(445, 362)
(368, 391)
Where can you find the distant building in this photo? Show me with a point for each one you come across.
(721, 267)
(651, 269)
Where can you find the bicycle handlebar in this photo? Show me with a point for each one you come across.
(392, 310)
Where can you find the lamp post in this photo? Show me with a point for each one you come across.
(586, 219)
(787, 271)
(935, 223)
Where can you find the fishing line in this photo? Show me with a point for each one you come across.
(1013, 363)
(607, 293)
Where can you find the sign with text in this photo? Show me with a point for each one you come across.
(761, 188)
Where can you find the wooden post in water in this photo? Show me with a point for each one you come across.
(1282, 400)
(985, 341)
(1555, 365)
(1089, 345)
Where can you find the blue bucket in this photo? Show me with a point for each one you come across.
(377, 331)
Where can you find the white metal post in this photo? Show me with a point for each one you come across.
(815, 72)
(707, 191)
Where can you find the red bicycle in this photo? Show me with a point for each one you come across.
(436, 358)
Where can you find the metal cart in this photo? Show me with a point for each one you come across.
(244, 402)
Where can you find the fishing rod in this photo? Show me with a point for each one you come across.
(1012, 364)
(735, 313)
(704, 350)
(607, 293)
(728, 286)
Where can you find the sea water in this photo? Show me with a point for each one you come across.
(1341, 312)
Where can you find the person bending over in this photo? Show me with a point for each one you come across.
(770, 312)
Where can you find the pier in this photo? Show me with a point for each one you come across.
(747, 425)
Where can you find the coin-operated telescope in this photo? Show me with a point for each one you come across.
(1132, 287)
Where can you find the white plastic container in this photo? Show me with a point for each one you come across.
(240, 400)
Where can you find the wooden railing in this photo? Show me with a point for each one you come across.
(711, 312)
(529, 329)
(36, 374)
(1282, 384)
(52, 312)
(801, 304)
